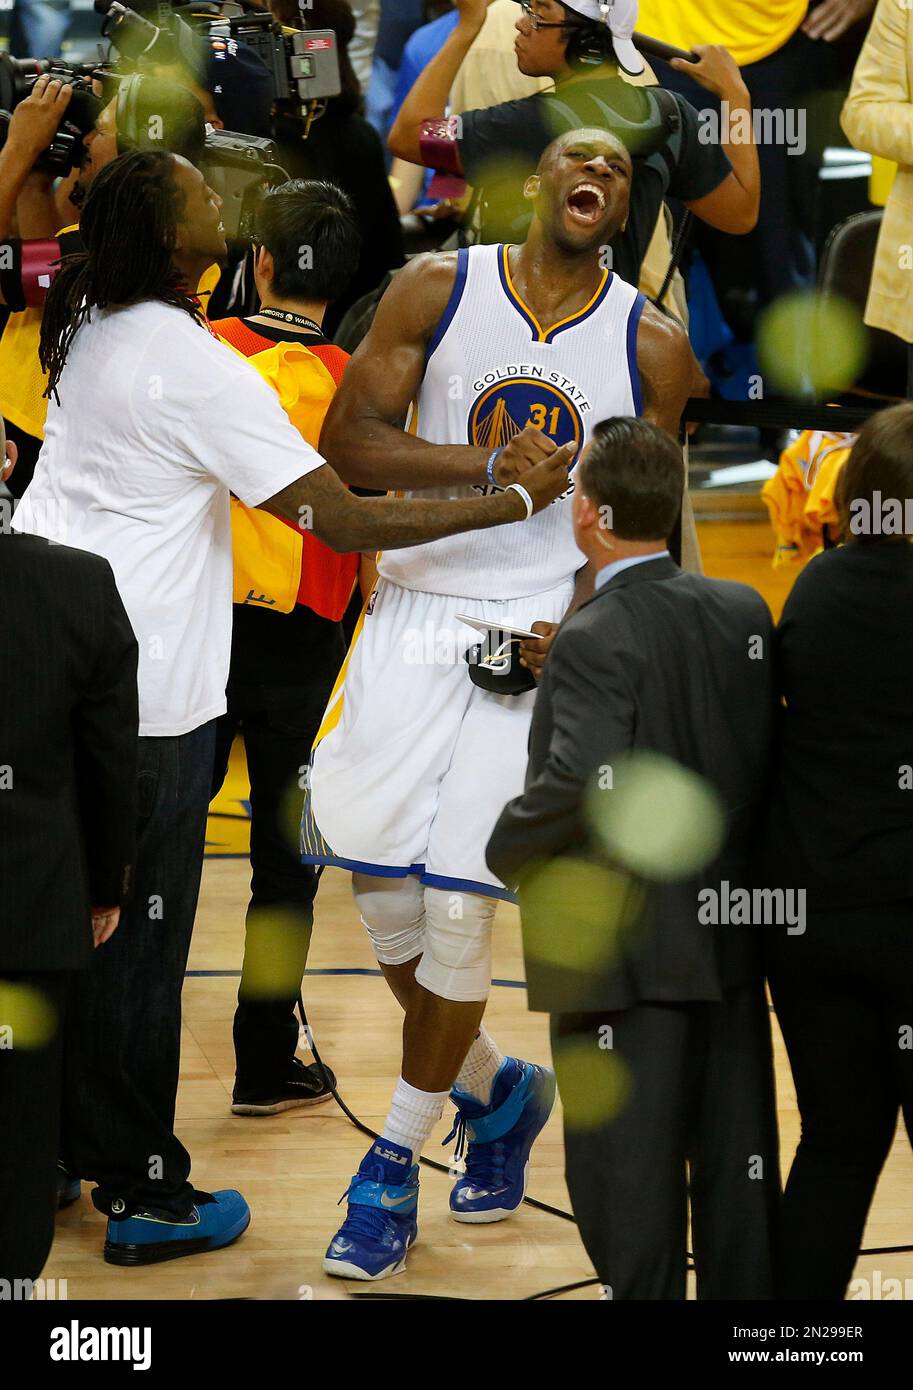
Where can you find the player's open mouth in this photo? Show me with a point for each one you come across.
(586, 203)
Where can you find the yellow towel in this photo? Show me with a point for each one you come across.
(800, 495)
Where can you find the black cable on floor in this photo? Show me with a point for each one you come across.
(528, 1201)
(359, 1124)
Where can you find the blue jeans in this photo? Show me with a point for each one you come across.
(123, 1044)
(38, 28)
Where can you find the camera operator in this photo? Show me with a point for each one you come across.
(26, 194)
(344, 149)
(151, 422)
(235, 90)
(229, 81)
(284, 664)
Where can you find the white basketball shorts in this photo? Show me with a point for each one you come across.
(413, 763)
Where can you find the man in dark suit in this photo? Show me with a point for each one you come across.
(669, 1013)
(68, 734)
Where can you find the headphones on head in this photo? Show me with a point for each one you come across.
(129, 133)
(177, 131)
(590, 43)
(589, 46)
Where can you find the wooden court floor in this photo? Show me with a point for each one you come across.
(293, 1167)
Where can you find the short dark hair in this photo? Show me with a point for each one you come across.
(881, 461)
(638, 470)
(313, 216)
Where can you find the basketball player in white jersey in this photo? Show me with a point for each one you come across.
(499, 354)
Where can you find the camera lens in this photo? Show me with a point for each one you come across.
(17, 77)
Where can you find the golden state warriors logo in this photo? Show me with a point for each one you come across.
(506, 407)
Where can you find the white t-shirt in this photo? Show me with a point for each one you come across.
(157, 422)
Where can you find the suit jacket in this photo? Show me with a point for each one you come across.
(658, 660)
(68, 745)
(878, 118)
(841, 816)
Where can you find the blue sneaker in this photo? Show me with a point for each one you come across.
(216, 1220)
(500, 1136)
(69, 1189)
(380, 1223)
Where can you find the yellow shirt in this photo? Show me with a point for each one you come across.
(750, 29)
(22, 381)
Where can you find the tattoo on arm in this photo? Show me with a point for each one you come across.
(344, 522)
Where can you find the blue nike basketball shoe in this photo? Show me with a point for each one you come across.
(500, 1136)
(380, 1223)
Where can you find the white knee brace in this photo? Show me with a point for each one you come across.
(456, 963)
(393, 914)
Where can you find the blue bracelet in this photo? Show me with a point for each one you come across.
(490, 466)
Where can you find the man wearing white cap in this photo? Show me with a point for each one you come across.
(621, 18)
(582, 45)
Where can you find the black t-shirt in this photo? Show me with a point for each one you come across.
(501, 146)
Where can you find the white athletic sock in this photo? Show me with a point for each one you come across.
(413, 1115)
(480, 1067)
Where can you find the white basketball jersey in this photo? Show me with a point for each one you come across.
(492, 369)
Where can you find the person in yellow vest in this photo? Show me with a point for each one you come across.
(31, 258)
(290, 592)
(878, 117)
(780, 46)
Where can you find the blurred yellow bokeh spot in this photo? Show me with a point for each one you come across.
(573, 912)
(811, 344)
(28, 1019)
(275, 952)
(593, 1081)
(503, 178)
(657, 819)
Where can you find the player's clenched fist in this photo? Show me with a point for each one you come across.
(524, 451)
(547, 479)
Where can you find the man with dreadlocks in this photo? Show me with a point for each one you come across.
(151, 423)
(156, 115)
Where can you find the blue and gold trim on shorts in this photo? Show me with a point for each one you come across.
(315, 850)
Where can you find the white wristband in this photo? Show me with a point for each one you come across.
(521, 492)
